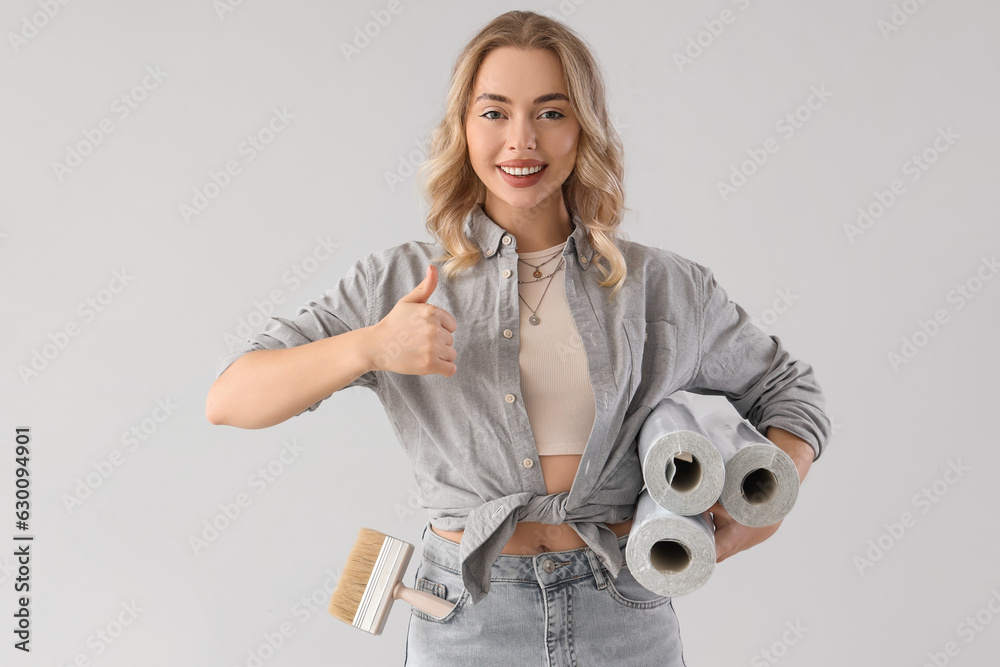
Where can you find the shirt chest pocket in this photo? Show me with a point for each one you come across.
(653, 351)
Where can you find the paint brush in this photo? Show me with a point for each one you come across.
(372, 579)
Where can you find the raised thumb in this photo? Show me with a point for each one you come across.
(423, 291)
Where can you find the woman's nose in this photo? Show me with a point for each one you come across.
(522, 136)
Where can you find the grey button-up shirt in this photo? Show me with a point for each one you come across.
(671, 328)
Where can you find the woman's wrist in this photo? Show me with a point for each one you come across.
(800, 451)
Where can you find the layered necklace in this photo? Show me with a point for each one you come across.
(534, 319)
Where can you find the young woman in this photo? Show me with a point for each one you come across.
(518, 393)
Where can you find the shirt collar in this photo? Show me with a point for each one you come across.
(488, 235)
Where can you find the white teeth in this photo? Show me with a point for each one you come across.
(518, 171)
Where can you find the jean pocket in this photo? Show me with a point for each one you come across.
(444, 584)
(627, 591)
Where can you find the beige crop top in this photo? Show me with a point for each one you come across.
(555, 380)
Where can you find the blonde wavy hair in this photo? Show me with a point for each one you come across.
(594, 190)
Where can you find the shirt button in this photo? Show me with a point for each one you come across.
(527, 463)
(507, 333)
(509, 398)
(583, 259)
(548, 565)
(506, 240)
(506, 273)
(489, 253)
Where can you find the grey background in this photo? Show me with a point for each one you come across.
(324, 176)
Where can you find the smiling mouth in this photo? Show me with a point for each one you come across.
(522, 172)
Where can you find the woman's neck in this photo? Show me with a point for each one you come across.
(537, 228)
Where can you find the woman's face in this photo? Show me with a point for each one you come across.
(520, 116)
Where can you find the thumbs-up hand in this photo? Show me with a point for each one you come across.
(415, 338)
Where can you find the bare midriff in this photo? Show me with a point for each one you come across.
(532, 537)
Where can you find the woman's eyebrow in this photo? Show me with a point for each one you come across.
(548, 97)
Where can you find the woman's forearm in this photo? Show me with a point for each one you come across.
(798, 449)
(265, 387)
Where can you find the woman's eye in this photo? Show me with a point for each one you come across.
(558, 115)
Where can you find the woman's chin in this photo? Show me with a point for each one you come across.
(522, 200)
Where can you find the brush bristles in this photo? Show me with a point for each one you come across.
(354, 577)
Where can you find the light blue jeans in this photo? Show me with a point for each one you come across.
(556, 609)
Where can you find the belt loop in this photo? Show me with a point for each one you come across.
(595, 565)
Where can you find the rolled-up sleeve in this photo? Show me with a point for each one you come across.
(755, 371)
(343, 308)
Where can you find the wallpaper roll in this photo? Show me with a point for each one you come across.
(682, 469)
(668, 553)
(762, 482)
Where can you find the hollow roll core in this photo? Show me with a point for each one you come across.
(669, 556)
(759, 486)
(683, 472)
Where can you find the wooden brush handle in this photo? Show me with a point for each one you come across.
(426, 602)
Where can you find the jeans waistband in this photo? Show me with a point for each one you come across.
(544, 568)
